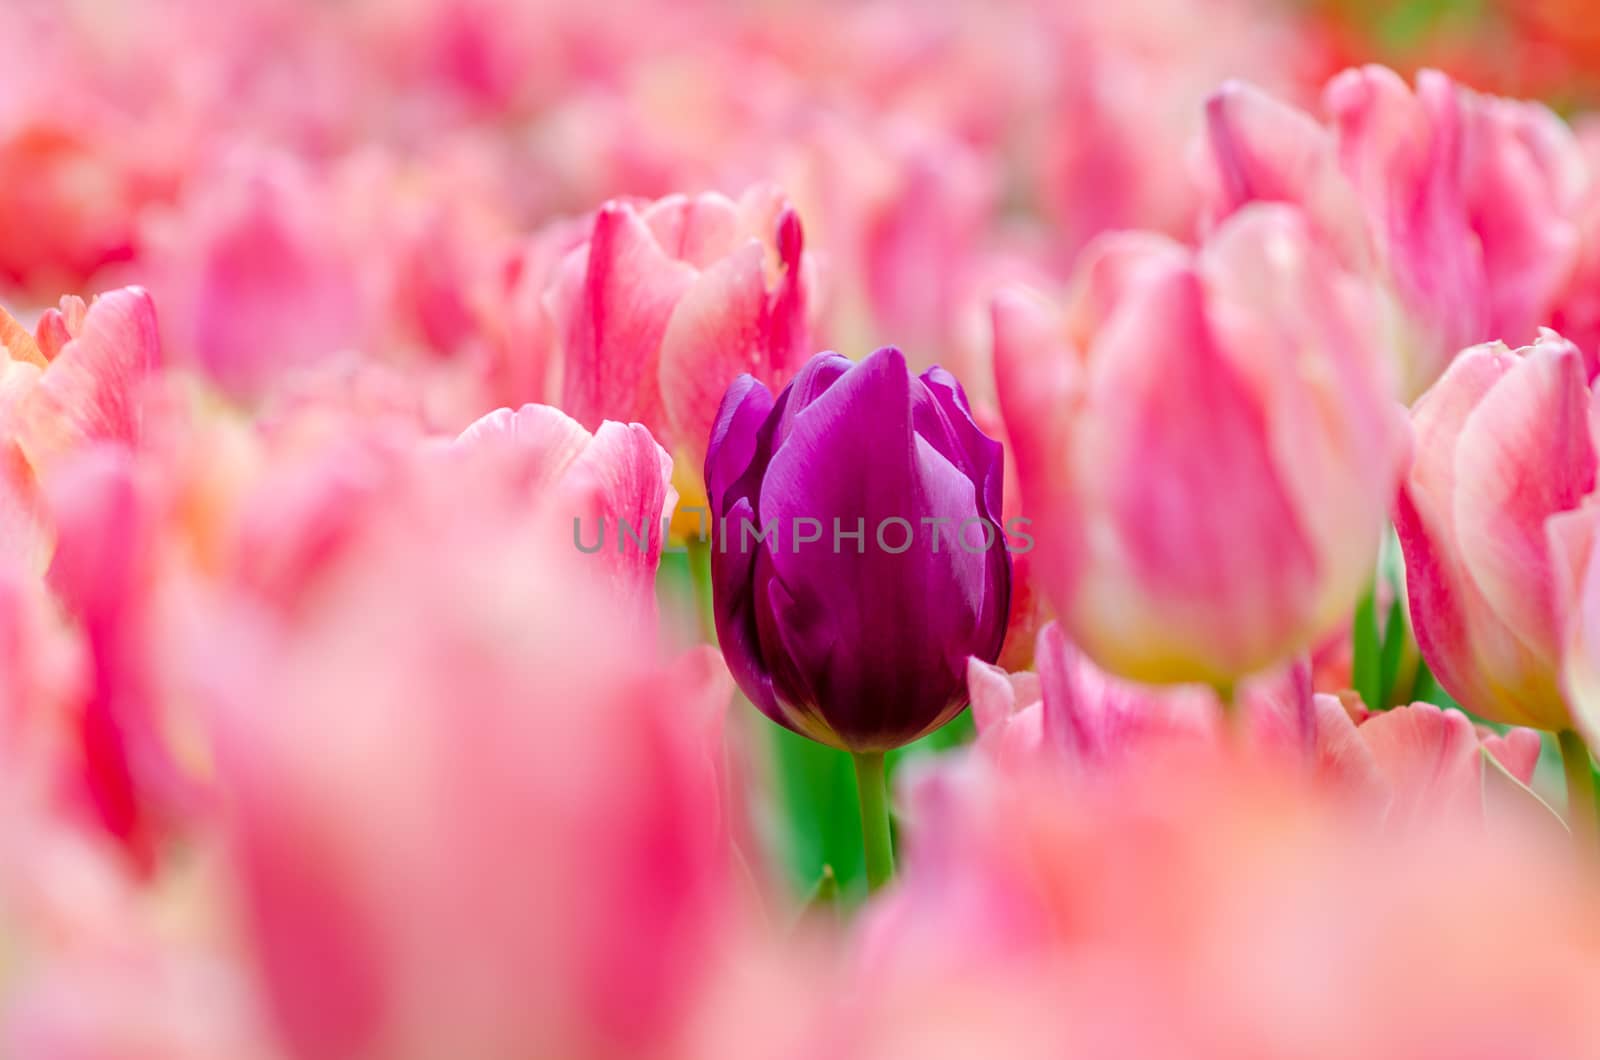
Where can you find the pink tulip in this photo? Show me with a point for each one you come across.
(78, 379)
(586, 484)
(1505, 442)
(1213, 912)
(1410, 764)
(1105, 156)
(553, 880)
(254, 276)
(1577, 314)
(98, 967)
(1248, 371)
(1572, 537)
(668, 303)
(1463, 205)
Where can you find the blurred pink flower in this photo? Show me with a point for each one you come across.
(1409, 764)
(78, 381)
(1167, 387)
(587, 485)
(553, 877)
(1212, 910)
(97, 966)
(1463, 206)
(254, 275)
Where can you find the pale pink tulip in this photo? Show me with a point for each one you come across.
(1504, 442)
(1247, 370)
(1464, 206)
(668, 303)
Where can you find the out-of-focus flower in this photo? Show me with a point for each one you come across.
(1410, 764)
(79, 380)
(255, 277)
(1129, 102)
(523, 362)
(1207, 911)
(1463, 205)
(562, 886)
(586, 484)
(1028, 608)
(857, 641)
(667, 304)
(1504, 442)
(96, 965)
(1248, 371)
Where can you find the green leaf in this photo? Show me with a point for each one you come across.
(1368, 662)
(819, 818)
(1395, 635)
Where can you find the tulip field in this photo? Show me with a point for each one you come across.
(859, 529)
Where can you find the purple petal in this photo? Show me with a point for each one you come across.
(877, 640)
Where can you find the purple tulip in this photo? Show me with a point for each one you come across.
(857, 558)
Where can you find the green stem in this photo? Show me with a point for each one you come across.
(699, 548)
(874, 796)
(1581, 816)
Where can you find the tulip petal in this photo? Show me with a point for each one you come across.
(543, 440)
(1517, 750)
(1261, 150)
(1402, 151)
(1520, 167)
(737, 439)
(17, 343)
(992, 695)
(1524, 454)
(1093, 718)
(1299, 330)
(623, 476)
(698, 230)
(1166, 403)
(1475, 656)
(716, 333)
(611, 306)
(1038, 382)
(1343, 758)
(1430, 758)
(1572, 536)
(90, 391)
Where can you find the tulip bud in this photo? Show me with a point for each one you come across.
(858, 557)
(1505, 441)
(1208, 447)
